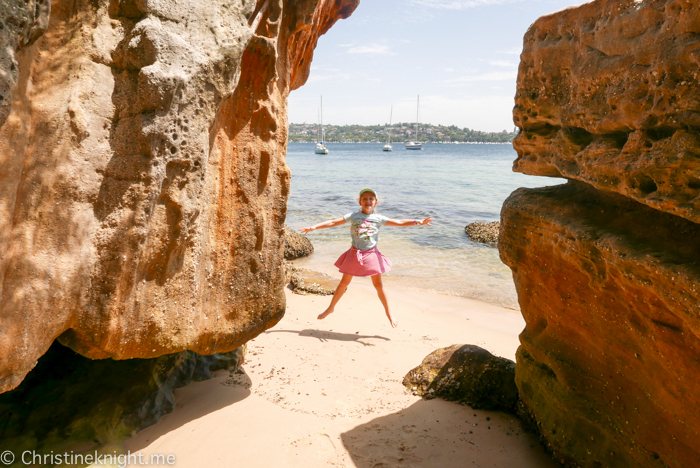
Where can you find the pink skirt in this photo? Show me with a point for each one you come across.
(363, 262)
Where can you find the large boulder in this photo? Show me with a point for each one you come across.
(296, 245)
(143, 185)
(609, 292)
(466, 374)
(606, 266)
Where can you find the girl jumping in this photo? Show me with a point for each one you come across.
(363, 258)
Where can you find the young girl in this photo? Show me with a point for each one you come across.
(363, 258)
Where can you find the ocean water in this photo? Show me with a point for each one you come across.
(455, 184)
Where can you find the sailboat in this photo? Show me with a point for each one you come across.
(388, 147)
(415, 145)
(320, 147)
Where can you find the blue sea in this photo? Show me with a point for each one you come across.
(455, 184)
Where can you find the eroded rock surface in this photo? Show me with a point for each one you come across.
(466, 374)
(610, 292)
(143, 185)
(21, 23)
(607, 267)
(608, 94)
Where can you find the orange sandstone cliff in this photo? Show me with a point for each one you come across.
(143, 186)
(607, 266)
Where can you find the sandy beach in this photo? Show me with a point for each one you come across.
(328, 393)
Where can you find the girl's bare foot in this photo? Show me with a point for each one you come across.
(393, 322)
(328, 312)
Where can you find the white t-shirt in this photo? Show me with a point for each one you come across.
(364, 229)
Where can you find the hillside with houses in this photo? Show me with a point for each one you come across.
(307, 133)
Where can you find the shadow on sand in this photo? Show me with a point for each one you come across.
(322, 335)
(195, 401)
(442, 434)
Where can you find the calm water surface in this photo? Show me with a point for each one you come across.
(455, 184)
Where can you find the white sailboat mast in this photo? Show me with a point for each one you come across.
(391, 113)
(417, 118)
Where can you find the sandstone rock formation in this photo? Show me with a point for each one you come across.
(607, 94)
(143, 185)
(607, 267)
(466, 374)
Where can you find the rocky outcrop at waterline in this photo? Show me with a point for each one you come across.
(303, 281)
(296, 245)
(607, 267)
(486, 233)
(143, 186)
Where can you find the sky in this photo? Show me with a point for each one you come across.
(460, 56)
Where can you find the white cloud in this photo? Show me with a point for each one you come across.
(371, 49)
(514, 51)
(324, 69)
(315, 78)
(502, 63)
(488, 76)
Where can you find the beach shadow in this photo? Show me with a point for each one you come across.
(325, 336)
(193, 402)
(445, 434)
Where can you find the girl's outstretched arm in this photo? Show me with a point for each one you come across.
(326, 224)
(410, 222)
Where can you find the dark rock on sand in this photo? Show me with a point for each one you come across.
(68, 400)
(296, 245)
(303, 281)
(468, 375)
(483, 232)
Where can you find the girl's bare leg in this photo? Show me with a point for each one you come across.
(339, 291)
(377, 282)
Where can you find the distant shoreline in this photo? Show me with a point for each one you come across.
(399, 132)
(403, 142)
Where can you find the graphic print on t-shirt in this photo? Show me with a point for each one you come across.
(365, 229)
